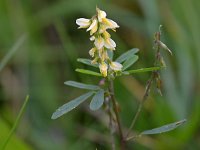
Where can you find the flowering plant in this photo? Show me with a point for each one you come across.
(102, 53)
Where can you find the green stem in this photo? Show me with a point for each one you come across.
(16, 123)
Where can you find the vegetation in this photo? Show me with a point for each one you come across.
(46, 44)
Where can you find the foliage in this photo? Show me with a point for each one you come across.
(47, 58)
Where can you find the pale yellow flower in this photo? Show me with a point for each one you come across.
(93, 27)
(110, 24)
(109, 44)
(83, 23)
(116, 66)
(101, 14)
(99, 42)
(103, 69)
(103, 55)
(94, 61)
(92, 51)
(106, 35)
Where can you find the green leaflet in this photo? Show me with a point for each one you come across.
(127, 55)
(82, 85)
(97, 100)
(130, 61)
(164, 128)
(87, 62)
(71, 105)
(141, 70)
(89, 72)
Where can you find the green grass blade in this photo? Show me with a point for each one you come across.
(16, 123)
(12, 51)
(89, 72)
(82, 85)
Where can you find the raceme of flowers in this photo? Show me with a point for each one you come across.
(98, 26)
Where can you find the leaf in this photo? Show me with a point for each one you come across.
(130, 61)
(164, 128)
(142, 70)
(87, 62)
(82, 85)
(97, 100)
(71, 105)
(127, 55)
(84, 71)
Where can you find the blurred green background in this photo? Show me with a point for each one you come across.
(50, 45)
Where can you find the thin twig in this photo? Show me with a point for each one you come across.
(146, 94)
(111, 126)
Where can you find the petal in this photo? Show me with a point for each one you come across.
(94, 23)
(83, 23)
(103, 69)
(113, 24)
(110, 24)
(92, 52)
(106, 35)
(99, 42)
(92, 38)
(101, 14)
(116, 66)
(110, 44)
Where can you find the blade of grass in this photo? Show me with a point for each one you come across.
(16, 123)
(12, 51)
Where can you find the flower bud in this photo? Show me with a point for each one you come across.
(92, 51)
(93, 27)
(103, 69)
(109, 44)
(99, 42)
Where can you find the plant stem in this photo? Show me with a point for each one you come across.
(111, 125)
(16, 123)
(114, 102)
(149, 82)
(146, 94)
